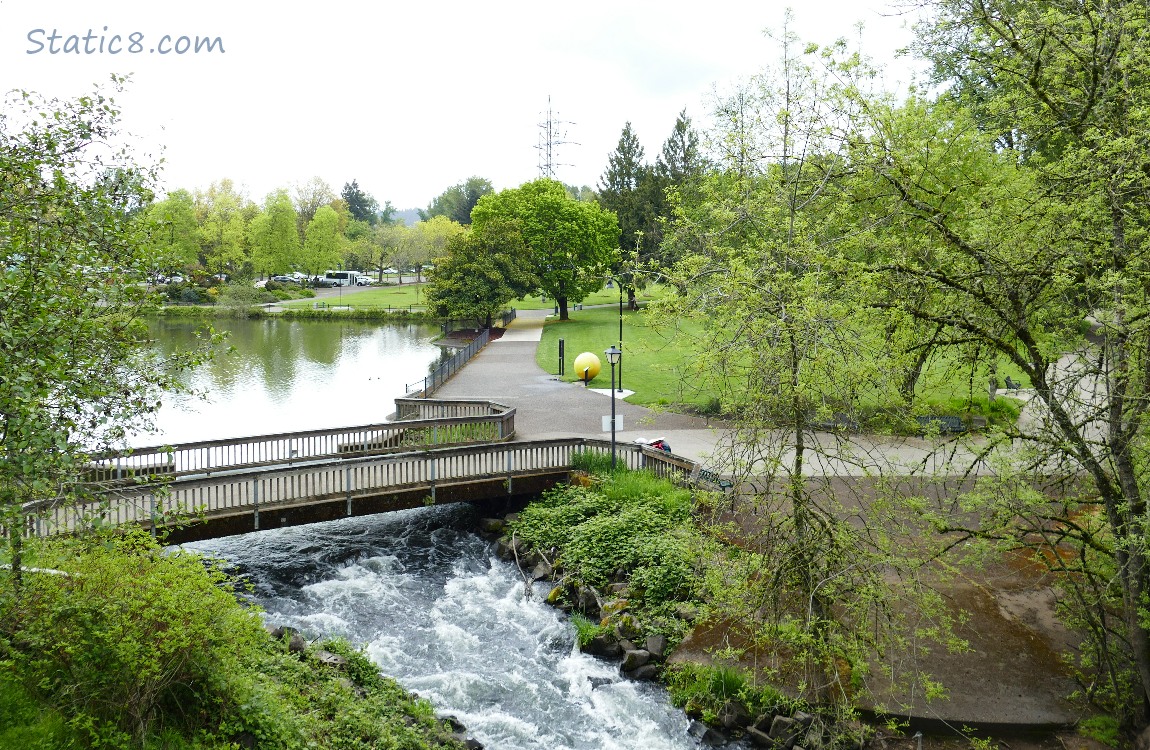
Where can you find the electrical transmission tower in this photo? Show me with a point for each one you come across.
(550, 139)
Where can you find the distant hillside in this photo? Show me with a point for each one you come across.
(408, 216)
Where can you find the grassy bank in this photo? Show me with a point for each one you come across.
(133, 647)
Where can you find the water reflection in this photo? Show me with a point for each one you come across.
(282, 376)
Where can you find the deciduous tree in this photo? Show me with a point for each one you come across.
(481, 271)
(571, 243)
(74, 376)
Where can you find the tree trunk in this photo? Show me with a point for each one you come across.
(632, 303)
(562, 302)
(16, 544)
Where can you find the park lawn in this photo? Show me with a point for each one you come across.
(404, 297)
(655, 358)
(604, 296)
(656, 362)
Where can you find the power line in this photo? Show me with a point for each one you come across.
(550, 139)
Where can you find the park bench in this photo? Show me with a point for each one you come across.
(946, 425)
(712, 478)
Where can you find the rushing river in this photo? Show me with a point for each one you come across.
(423, 594)
(439, 612)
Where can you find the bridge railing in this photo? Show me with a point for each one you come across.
(440, 423)
(347, 479)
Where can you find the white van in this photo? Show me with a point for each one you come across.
(347, 278)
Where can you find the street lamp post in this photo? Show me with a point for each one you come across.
(615, 357)
(619, 284)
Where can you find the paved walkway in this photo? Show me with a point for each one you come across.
(547, 407)
(1011, 677)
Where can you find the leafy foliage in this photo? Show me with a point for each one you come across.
(135, 647)
(630, 521)
(480, 273)
(571, 243)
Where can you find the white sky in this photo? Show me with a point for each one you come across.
(410, 98)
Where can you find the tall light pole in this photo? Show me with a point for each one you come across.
(619, 284)
(615, 357)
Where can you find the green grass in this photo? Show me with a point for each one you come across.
(654, 360)
(604, 296)
(384, 296)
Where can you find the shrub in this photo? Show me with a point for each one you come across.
(129, 635)
(592, 462)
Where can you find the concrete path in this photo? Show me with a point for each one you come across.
(547, 407)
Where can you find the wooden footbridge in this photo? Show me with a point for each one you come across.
(434, 452)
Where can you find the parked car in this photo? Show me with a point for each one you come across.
(320, 282)
(281, 279)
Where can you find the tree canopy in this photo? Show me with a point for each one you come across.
(571, 243)
(74, 378)
(480, 272)
(456, 202)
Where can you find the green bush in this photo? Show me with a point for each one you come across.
(128, 635)
(1104, 729)
(705, 689)
(138, 648)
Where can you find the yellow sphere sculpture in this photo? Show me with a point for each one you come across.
(587, 366)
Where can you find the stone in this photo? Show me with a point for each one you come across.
(656, 645)
(297, 644)
(759, 738)
(805, 720)
(555, 596)
(598, 682)
(473, 744)
(454, 724)
(784, 731)
(529, 561)
(541, 571)
(706, 734)
(647, 672)
(586, 602)
(627, 626)
(327, 657)
(686, 612)
(616, 588)
(1142, 741)
(734, 715)
(627, 645)
(511, 518)
(763, 722)
(633, 659)
(603, 645)
(614, 607)
(492, 525)
(506, 548)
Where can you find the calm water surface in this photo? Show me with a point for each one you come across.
(284, 375)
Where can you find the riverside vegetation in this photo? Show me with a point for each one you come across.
(81, 664)
(639, 563)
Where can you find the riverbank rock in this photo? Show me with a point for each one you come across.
(296, 643)
(492, 526)
(633, 659)
(605, 646)
(645, 673)
(656, 646)
(705, 734)
(330, 659)
(541, 571)
(734, 715)
(507, 548)
(784, 731)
